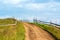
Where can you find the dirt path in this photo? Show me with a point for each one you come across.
(35, 33)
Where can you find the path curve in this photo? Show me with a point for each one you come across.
(35, 33)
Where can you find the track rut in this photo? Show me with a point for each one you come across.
(35, 33)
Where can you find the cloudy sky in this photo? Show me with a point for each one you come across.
(46, 10)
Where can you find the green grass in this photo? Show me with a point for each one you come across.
(20, 31)
(11, 32)
(55, 32)
(7, 21)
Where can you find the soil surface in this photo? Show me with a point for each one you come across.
(33, 32)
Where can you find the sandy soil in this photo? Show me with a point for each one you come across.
(35, 33)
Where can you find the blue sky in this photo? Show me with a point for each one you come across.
(46, 10)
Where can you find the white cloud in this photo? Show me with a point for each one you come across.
(11, 1)
(51, 6)
(35, 6)
(40, 6)
(14, 1)
(19, 6)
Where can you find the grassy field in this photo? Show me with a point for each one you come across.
(20, 31)
(7, 21)
(17, 32)
(55, 32)
(11, 32)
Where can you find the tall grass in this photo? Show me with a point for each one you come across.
(20, 31)
(7, 21)
(55, 32)
(11, 32)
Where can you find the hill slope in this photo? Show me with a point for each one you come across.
(12, 29)
(9, 30)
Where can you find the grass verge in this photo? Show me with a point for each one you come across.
(55, 32)
(12, 32)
